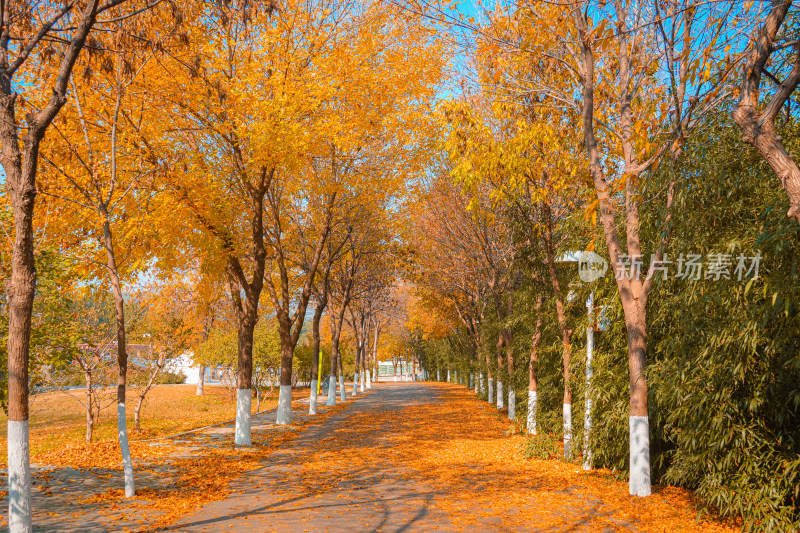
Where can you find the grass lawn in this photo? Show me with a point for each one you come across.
(58, 419)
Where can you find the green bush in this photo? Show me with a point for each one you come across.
(171, 378)
(541, 446)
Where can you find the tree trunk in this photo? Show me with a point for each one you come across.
(566, 334)
(359, 346)
(374, 357)
(375, 362)
(334, 363)
(769, 144)
(635, 323)
(244, 381)
(364, 354)
(500, 396)
(283, 416)
(159, 366)
(758, 128)
(342, 387)
(89, 403)
(587, 415)
(489, 381)
(315, 336)
(122, 359)
(201, 380)
(533, 380)
(512, 394)
(20, 290)
(634, 299)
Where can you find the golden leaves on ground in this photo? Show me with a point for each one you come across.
(58, 423)
(195, 472)
(102, 454)
(484, 476)
(460, 447)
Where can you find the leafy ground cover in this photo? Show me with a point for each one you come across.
(463, 448)
(457, 458)
(58, 422)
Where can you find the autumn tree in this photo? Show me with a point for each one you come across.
(212, 144)
(681, 64)
(503, 138)
(29, 52)
(464, 231)
(169, 327)
(99, 174)
(771, 50)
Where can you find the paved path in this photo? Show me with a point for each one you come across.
(377, 496)
(406, 457)
(69, 500)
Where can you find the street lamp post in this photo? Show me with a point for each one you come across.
(591, 267)
(587, 415)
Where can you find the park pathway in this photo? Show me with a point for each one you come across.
(405, 457)
(431, 457)
(326, 481)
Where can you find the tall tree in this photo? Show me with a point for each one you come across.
(25, 36)
(758, 125)
(96, 170)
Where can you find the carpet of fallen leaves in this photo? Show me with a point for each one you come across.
(457, 448)
(58, 423)
(203, 477)
(193, 480)
(462, 448)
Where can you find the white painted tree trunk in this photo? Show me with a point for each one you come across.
(127, 462)
(201, 380)
(587, 415)
(355, 384)
(567, 430)
(375, 374)
(448, 375)
(438, 375)
(480, 383)
(361, 382)
(342, 389)
(639, 484)
(312, 400)
(500, 398)
(455, 376)
(471, 380)
(283, 416)
(490, 398)
(512, 404)
(331, 390)
(369, 381)
(20, 518)
(531, 412)
(244, 402)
